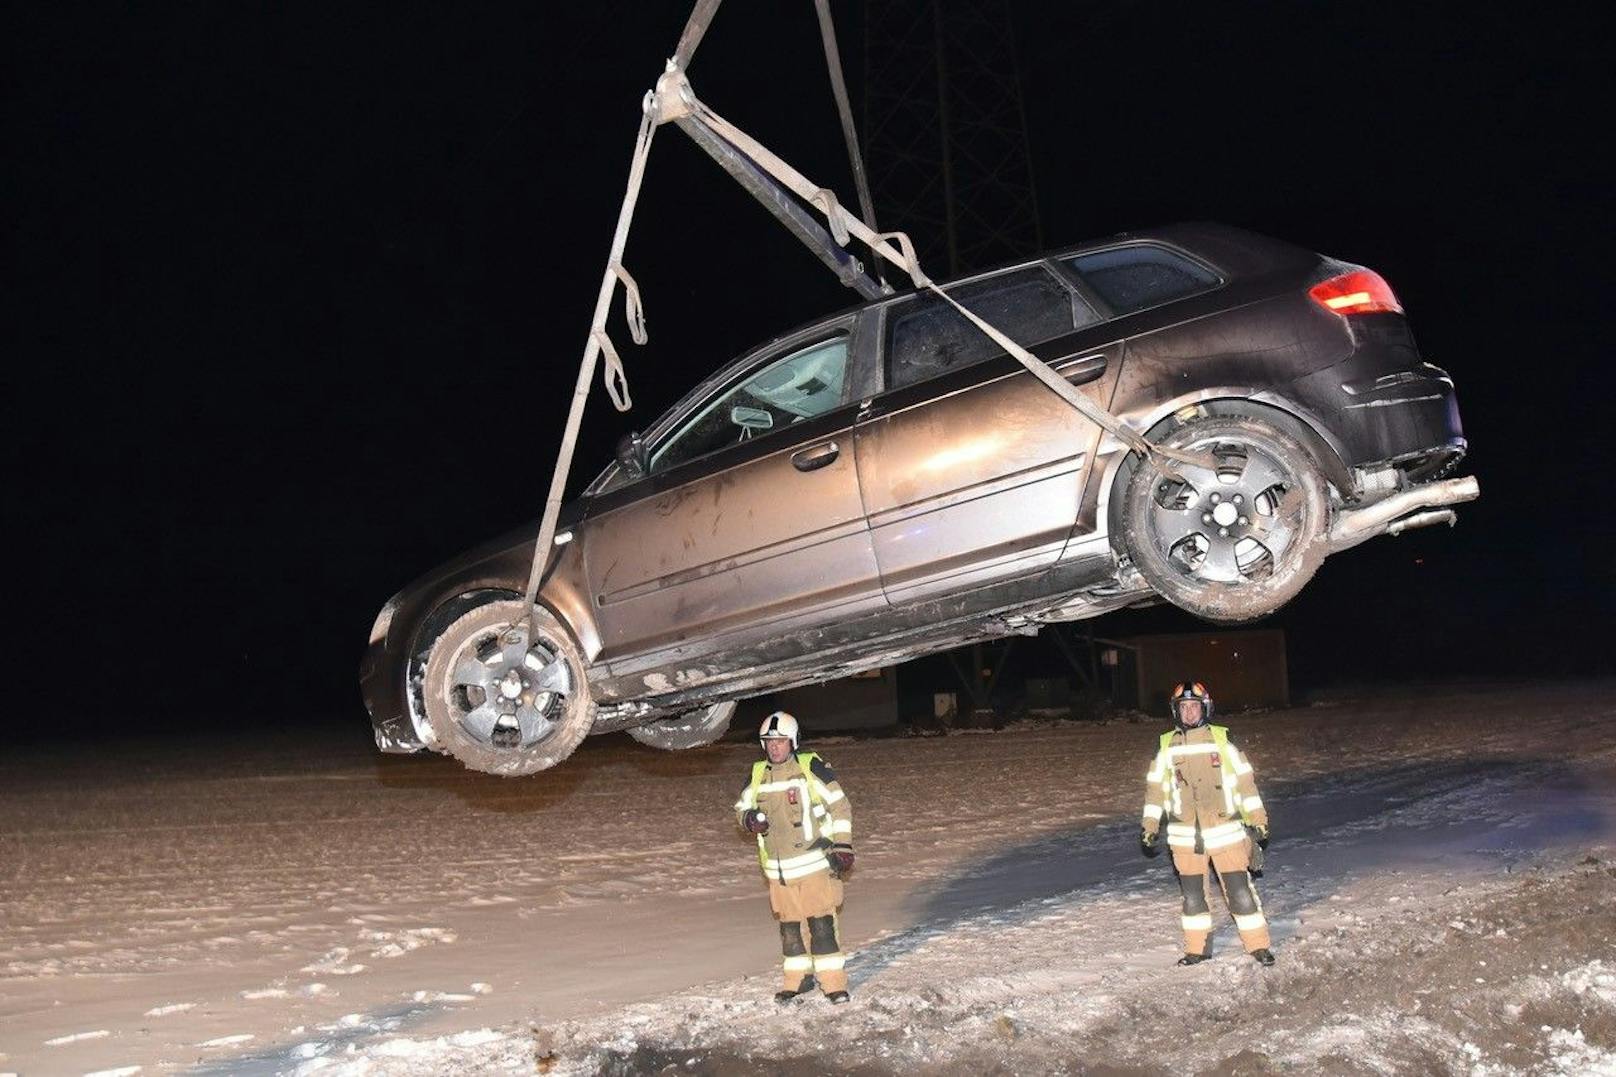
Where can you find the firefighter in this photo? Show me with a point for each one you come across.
(804, 828)
(1206, 789)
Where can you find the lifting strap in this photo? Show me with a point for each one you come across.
(598, 342)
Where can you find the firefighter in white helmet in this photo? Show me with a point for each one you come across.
(804, 829)
(1206, 790)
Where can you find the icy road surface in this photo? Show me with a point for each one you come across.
(1440, 886)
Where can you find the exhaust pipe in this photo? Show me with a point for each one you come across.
(1388, 516)
(1429, 518)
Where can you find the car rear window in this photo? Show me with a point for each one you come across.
(1133, 278)
(929, 337)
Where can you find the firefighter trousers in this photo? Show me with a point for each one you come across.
(1239, 896)
(809, 933)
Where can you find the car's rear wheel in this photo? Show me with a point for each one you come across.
(1230, 543)
(505, 698)
(692, 729)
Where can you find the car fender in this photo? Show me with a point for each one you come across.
(1287, 414)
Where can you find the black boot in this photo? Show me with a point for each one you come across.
(1194, 959)
(838, 997)
(783, 997)
(1264, 957)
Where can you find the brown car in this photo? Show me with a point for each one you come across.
(885, 483)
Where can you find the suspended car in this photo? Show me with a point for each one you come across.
(886, 482)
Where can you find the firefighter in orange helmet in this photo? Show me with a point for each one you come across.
(1206, 790)
(804, 828)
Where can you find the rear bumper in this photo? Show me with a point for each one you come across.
(1407, 419)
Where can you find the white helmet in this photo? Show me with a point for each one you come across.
(779, 724)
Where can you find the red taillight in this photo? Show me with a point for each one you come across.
(1360, 292)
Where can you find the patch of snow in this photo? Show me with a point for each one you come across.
(1571, 1055)
(334, 962)
(76, 1037)
(442, 996)
(172, 1007)
(1595, 978)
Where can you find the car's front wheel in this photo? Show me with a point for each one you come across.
(693, 729)
(1235, 541)
(503, 696)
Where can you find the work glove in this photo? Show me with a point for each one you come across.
(755, 822)
(841, 859)
(1147, 842)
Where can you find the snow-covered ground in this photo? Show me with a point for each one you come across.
(1441, 885)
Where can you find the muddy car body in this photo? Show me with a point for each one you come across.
(885, 482)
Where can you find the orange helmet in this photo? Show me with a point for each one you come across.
(1190, 690)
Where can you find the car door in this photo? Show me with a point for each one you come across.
(971, 469)
(748, 525)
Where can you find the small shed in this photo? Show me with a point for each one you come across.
(1241, 669)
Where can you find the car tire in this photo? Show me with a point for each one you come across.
(692, 729)
(1235, 544)
(501, 702)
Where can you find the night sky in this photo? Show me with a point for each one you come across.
(298, 295)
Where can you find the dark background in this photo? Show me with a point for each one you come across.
(302, 291)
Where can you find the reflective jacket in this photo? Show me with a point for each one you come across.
(807, 813)
(1205, 787)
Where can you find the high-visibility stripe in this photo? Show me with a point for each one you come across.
(1222, 841)
(748, 800)
(1241, 767)
(829, 962)
(788, 874)
(841, 826)
(1251, 803)
(799, 963)
(796, 861)
(1224, 829)
(1251, 921)
(1183, 829)
(1181, 841)
(1153, 811)
(1198, 922)
(826, 793)
(1191, 749)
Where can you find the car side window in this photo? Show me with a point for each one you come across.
(802, 384)
(928, 337)
(1134, 278)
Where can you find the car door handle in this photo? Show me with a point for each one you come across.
(1080, 368)
(817, 457)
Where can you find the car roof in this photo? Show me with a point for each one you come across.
(1236, 252)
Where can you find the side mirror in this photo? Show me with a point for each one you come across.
(631, 455)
